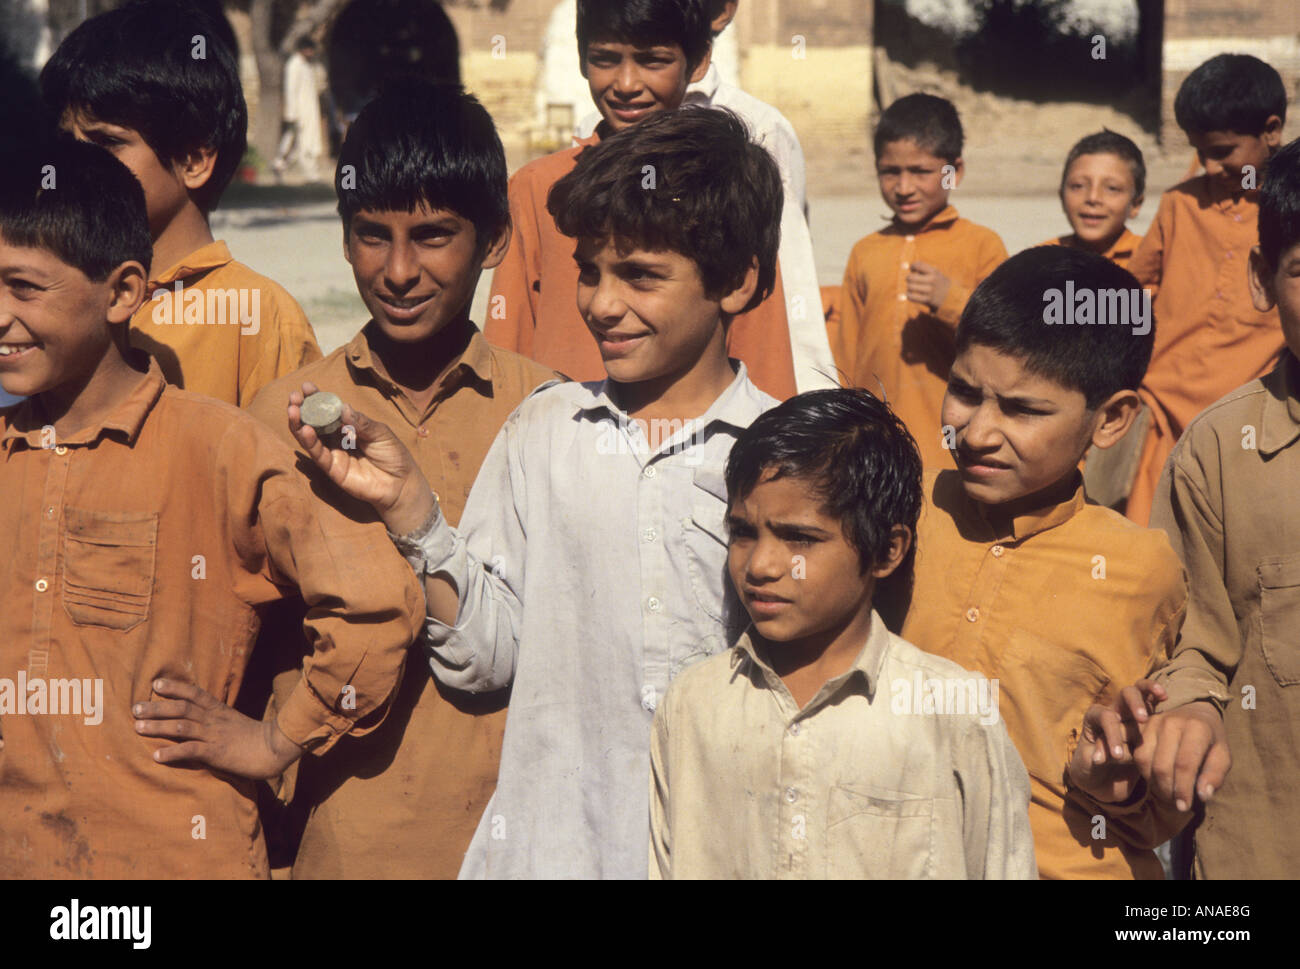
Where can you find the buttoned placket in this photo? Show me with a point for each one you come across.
(53, 495)
(989, 576)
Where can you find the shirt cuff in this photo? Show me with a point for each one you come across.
(1187, 685)
(309, 723)
(429, 546)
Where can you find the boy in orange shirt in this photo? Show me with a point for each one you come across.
(1018, 576)
(1101, 189)
(156, 84)
(1210, 337)
(638, 60)
(905, 285)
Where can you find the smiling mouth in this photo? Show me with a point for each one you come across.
(15, 349)
(403, 302)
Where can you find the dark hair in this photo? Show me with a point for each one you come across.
(1279, 205)
(134, 67)
(1107, 142)
(1231, 92)
(642, 23)
(1007, 313)
(715, 196)
(862, 462)
(75, 200)
(930, 121)
(420, 141)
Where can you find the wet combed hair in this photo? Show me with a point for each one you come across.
(716, 197)
(1231, 92)
(1005, 313)
(133, 67)
(420, 141)
(1279, 205)
(1107, 142)
(644, 23)
(859, 459)
(94, 217)
(930, 121)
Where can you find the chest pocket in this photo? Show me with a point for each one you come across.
(1279, 617)
(869, 836)
(705, 538)
(108, 568)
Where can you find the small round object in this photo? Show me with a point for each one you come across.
(323, 411)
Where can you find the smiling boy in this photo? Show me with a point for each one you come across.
(588, 569)
(905, 286)
(1020, 578)
(424, 215)
(1211, 338)
(638, 57)
(149, 530)
(155, 84)
(798, 729)
(1101, 189)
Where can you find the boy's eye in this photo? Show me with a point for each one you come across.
(963, 392)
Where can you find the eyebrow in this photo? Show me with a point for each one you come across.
(1022, 399)
(781, 528)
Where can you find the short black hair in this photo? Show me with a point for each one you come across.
(75, 200)
(690, 180)
(1279, 205)
(858, 456)
(926, 119)
(1107, 142)
(1006, 313)
(644, 23)
(1231, 92)
(421, 141)
(135, 67)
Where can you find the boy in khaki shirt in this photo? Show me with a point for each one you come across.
(1021, 578)
(151, 527)
(155, 83)
(839, 749)
(403, 801)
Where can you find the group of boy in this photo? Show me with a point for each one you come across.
(659, 622)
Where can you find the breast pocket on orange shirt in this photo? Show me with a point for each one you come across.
(108, 567)
(1279, 617)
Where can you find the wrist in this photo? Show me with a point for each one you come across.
(412, 515)
(283, 750)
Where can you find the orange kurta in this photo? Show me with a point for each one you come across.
(237, 333)
(534, 308)
(1061, 608)
(148, 545)
(1120, 252)
(884, 342)
(1209, 337)
(403, 801)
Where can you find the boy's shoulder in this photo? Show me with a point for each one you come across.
(761, 117)
(1240, 420)
(540, 173)
(273, 296)
(330, 373)
(956, 230)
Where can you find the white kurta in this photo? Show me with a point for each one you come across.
(302, 107)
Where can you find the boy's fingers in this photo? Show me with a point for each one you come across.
(161, 710)
(170, 729)
(1132, 703)
(190, 750)
(1214, 771)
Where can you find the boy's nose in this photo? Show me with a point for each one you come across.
(981, 432)
(768, 561)
(402, 269)
(606, 304)
(628, 79)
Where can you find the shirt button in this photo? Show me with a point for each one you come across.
(49, 512)
(60, 450)
(794, 730)
(649, 534)
(41, 585)
(791, 795)
(972, 614)
(910, 238)
(901, 297)
(653, 604)
(649, 472)
(997, 551)
(907, 265)
(422, 431)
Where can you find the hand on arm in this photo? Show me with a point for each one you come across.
(1184, 751)
(1104, 765)
(927, 285)
(212, 733)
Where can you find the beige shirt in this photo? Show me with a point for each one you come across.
(1227, 499)
(869, 780)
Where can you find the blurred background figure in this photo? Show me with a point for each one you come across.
(302, 141)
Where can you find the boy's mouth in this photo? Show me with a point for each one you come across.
(980, 465)
(617, 344)
(403, 307)
(15, 351)
(764, 603)
(630, 112)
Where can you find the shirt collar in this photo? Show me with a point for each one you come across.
(209, 257)
(475, 360)
(736, 406)
(1030, 523)
(867, 666)
(1280, 418)
(25, 423)
(945, 216)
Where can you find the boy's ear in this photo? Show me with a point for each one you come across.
(1135, 206)
(195, 167)
(1272, 133)
(724, 18)
(1114, 417)
(735, 301)
(702, 67)
(126, 286)
(900, 543)
(497, 246)
(1260, 278)
(959, 170)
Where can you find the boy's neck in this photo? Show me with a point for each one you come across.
(1100, 246)
(186, 233)
(1053, 495)
(681, 396)
(806, 665)
(77, 404)
(419, 368)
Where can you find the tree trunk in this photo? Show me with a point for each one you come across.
(265, 135)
